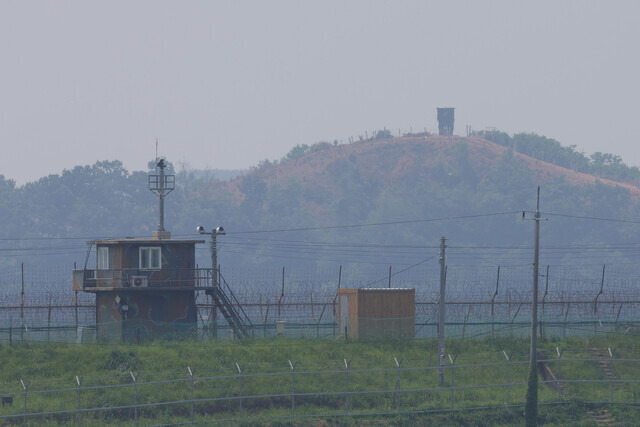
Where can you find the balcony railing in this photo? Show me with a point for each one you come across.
(133, 278)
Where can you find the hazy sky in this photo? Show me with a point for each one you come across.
(226, 84)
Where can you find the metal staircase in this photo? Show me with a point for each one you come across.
(230, 307)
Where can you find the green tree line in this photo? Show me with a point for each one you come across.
(105, 200)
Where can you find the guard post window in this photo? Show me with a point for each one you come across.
(150, 259)
(103, 258)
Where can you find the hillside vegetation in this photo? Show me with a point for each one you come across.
(318, 187)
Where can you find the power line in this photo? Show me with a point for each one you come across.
(376, 224)
(401, 271)
(330, 227)
(591, 218)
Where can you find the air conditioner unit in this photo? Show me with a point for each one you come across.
(139, 281)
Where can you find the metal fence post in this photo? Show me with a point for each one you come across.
(25, 387)
(468, 382)
(191, 375)
(564, 324)
(346, 391)
(453, 361)
(240, 384)
(135, 397)
(558, 369)
(79, 404)
(508, 377)
(398, 363)
(611, 377)
(293, 386)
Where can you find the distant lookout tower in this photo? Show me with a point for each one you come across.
(161, 185)
(445, 121)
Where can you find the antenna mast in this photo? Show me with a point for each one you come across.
(161, 185)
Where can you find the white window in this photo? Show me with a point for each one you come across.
(150, 259)
(103, 258)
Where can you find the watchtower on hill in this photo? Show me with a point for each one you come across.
(446, 117)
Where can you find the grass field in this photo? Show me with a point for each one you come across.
(55, 367)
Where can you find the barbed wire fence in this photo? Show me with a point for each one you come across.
(480, 300)
(304, 393)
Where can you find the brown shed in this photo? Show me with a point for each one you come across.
(377, 312)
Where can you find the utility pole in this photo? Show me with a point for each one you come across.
(443, 282)
(218, 231)
(214, 260)
(215, 272)
(531, 405)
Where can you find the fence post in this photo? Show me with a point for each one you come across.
(324, 307)
(346, 392)
(544, 297)
(281, 293)
(508, 377)
(492, 302)
(79, 404)
(564, 327)
(558, 369)
(192, 384)
(49, 322)
(25, 387)
(611, 377)
(466, 319)
(618, 316)
(135, 397)
(595, 301)
(293, 386)
(398, 363)
(240, 384)
(26, 329)
(75, 302)
(453, 361)
(22, 292)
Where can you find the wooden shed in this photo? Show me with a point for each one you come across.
(377, 312)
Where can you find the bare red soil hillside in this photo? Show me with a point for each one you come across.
(387, 160)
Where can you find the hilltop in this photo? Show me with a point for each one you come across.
(389, 161)
(323, 186)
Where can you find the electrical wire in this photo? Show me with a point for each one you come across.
(590, 218)
(401, 271)
(376, 224)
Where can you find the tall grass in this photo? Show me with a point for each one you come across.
(215, 365)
